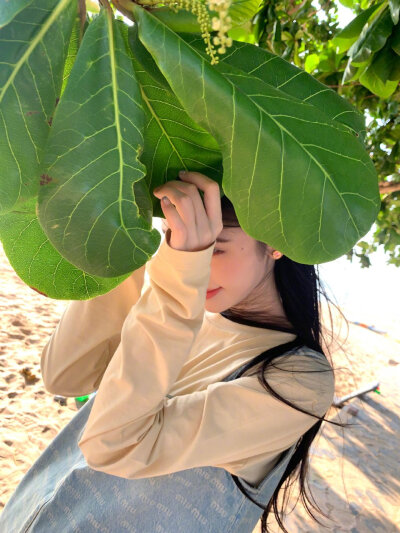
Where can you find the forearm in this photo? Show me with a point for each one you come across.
(156, 340)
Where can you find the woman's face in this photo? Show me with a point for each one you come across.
(236, 267)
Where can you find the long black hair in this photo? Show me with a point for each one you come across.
(299, 287)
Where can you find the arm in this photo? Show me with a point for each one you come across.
(134, 431)
(77, 353)
(81, 372)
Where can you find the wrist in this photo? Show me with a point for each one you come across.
(168, 241)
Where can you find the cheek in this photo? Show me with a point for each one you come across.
(245, 271)
(230, 271)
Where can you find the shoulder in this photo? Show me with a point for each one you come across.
(304, 358)
(303, 376)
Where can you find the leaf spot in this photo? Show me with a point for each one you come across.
(37, 291)
(45, 179)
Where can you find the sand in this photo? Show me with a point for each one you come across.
(355, 478)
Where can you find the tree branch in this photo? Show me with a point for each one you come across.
(386, 187)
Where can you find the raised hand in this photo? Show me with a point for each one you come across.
(194, 225)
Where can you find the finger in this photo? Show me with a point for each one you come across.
(212, 196)
(183, 205)
(174, 221)
(202, 222)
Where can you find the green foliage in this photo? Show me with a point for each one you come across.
(372, 87)
(377, 64)
(172, 140)
(91, 172)
(40, 265)
(274, 194)
(349, 35)
(372, 38)
(30, 81)
(242, 11)
(383, 143)
(134, 107)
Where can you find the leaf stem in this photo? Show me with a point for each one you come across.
(82, 17)
(124, 7)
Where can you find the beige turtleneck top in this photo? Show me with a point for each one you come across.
(156, 358)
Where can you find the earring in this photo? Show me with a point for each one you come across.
(277, 255)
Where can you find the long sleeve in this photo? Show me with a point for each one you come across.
(134, 430)
(77, 353)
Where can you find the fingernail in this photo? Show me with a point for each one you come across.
(182, 172)
(165, 200)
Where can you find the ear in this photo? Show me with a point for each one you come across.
(274, 254)
(164, 225)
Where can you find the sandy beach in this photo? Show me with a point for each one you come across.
(355, 472)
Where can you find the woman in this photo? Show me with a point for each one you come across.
(188, 431)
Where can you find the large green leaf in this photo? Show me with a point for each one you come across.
(9, 9)
(372, 38)
(172, 140)
(32, 54)
(349, 35)
(291, 80)
(298, 180)
(38, 263)
(94, 204)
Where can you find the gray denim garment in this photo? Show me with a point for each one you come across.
(60, 493)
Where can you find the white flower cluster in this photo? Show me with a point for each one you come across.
(199, 9)
(222, 23)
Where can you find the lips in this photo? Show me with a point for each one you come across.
(212, 290)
